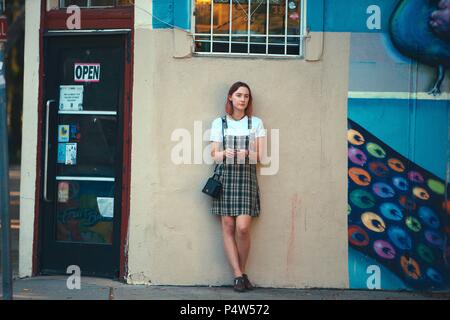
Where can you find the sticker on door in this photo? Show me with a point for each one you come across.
(71, 98)
(63, 133)
(63, 192)
(67, 153)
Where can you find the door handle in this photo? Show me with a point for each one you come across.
(47, 117)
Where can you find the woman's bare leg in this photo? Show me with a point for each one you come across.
(243, 239)
(228, 232)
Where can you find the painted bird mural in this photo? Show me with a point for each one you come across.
(420, 29)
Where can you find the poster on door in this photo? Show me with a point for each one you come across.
(71, 98)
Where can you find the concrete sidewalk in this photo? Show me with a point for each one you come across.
(55, 288)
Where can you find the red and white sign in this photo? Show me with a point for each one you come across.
(3, 28)
(86, 72)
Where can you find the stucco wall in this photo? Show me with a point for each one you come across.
(300, 239)
(29, 140)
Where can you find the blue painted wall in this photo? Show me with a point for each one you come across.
(417, 129)
(346, 16)
(169, 13)
(340, 16)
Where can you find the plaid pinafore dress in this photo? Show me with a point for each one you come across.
(240, 190)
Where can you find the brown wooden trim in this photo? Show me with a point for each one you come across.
(40, 110)
(127, 137)
(111, 18)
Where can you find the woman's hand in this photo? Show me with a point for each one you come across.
(241, 154)
(229, 153)
(253, 157)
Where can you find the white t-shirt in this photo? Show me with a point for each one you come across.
(236, 128)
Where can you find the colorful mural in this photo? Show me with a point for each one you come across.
(427, 40)
(396, 213)
(398, 109)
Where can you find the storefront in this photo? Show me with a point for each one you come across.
(83, 141)
(121, 94)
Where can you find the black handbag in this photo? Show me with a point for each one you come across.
(213, 186)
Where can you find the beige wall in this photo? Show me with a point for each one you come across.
(300, 239)
(29, 136)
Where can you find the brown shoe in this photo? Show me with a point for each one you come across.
(247, 283)
(239, 284)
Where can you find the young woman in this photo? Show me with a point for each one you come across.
(239, 201)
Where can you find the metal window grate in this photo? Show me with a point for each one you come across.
(272, 28)
(93, 3)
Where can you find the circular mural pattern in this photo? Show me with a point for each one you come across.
(425, 253)
(413, 224)
(400, 183)
(421, 193)
(373, 222)
(415, 176)
(434, 238)
(429, 217)
(362, 199)
(357, 236)
(379, 169)
(407, 202)
(359, 176)
(410, 267)
(355, 138)
(436, 186)
(375, 150)
(384, 249)
(396, 165)
(400, 238)
(357, 156)
(391, 211)
(383, 190)
(434, 275)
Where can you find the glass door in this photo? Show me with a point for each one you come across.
(82, 156)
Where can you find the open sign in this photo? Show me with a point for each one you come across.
(87, 72)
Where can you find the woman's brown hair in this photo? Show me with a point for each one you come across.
(233, 89)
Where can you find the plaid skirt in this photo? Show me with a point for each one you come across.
(240, 191)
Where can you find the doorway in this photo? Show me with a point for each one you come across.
(82, 156)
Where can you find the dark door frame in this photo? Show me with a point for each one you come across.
(115, 20)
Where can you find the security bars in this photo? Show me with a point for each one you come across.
(267, 28)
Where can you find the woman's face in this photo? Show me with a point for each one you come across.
(240, 98)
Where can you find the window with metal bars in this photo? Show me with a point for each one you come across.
(94, 3)
(249, 27)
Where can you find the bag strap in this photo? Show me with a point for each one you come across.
(224, 125)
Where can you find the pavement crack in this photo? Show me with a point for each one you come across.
(111, 293)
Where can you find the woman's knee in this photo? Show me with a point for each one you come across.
(243, 230)
(228, 225)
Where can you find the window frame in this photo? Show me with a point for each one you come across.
(301, 36)
(89, 6)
